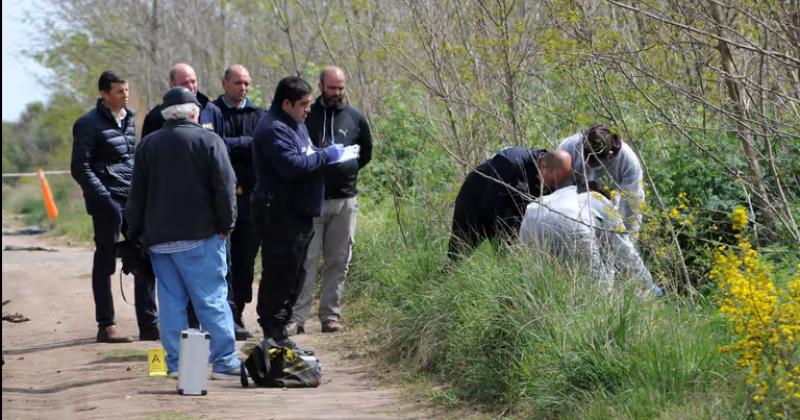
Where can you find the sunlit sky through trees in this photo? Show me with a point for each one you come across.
(21, 76)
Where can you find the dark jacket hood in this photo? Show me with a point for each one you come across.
(203, 99)
(282, 115)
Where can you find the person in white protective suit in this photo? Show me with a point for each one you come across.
(588, 227)
(601, 161)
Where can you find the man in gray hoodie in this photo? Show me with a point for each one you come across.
(332, 121)
(603, 162)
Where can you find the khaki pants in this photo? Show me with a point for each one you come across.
(334, 236)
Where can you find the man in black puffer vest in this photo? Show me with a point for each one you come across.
(102, 163)
(240, 119)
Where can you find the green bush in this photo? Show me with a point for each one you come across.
(407, 162)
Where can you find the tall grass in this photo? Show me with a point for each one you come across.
(532, 336)
(511, 328)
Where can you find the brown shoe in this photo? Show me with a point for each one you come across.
(110, 334)
(331, 326)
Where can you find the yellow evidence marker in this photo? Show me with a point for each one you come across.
(156, 362)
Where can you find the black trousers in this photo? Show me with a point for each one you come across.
(108, 218)
(244, 243)
(285, 240)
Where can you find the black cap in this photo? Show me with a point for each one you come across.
(179, 95)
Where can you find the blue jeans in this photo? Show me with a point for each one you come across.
(196, 275)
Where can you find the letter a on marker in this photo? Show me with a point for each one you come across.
(157, 365)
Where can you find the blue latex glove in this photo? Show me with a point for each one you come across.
(657, 291)
(334, 152)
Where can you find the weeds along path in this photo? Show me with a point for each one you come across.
(54, 368)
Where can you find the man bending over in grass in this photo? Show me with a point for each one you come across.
(585, 226)
(601, 161)
(492, 199)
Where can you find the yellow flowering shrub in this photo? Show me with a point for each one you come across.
(655, 240)
(739, 218)
(766, 321)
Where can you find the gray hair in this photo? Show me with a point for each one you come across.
(182, 112)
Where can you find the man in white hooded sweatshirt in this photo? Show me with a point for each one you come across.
(585, 226)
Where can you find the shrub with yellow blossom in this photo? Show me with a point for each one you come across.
(766, 320)
(682, 216)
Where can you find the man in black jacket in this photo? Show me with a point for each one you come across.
(331, 121)
(210, 118)
(240, 119)
(184, 75)
(492, 200)
(182, 207)
(102, 163)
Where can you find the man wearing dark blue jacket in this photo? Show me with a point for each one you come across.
(102, 163)
(492, 200)
(289, 193)
(240, 120)
(184, 75)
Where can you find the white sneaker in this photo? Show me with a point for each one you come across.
(233, 374)
(172, 375)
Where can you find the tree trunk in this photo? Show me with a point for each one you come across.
(742, 130)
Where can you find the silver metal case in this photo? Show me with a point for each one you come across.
(193, 362)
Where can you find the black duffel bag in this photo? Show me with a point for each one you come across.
(134, 258)
(271, 365)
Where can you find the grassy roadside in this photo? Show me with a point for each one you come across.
(529, 337)
(25, 198)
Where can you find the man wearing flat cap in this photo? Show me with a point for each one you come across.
(182, 207)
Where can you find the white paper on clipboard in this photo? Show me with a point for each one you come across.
(350, 153)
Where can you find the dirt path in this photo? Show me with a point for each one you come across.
(54, 369)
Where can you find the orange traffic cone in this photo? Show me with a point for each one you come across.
(47, 195)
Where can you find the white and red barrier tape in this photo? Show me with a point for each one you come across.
(21, 174)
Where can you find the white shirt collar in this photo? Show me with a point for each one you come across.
(244, 102)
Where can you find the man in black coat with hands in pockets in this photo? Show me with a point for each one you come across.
(102, 163)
